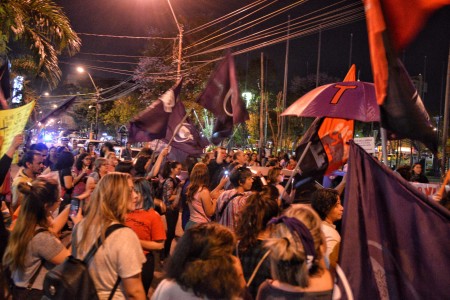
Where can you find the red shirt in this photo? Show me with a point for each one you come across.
(147, 225)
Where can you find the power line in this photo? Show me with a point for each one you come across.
(127, 36)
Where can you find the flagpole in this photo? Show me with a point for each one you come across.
(318, 55)
(261, 109)
(286, 62)
(152, 156)
(296, 168)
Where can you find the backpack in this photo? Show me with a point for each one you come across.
(71, 279)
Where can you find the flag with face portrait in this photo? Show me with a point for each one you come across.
(394, 239)
(183, 134)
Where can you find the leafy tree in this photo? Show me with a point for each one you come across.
(41, 31)
(122, 111)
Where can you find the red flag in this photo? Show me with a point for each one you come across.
(393, 238)
(402, 111)
(152, 123)
(406, 18)
(335, 133)
(221, 96)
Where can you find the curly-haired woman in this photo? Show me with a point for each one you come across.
(202, 266)
(252, 231)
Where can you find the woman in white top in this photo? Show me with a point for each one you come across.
(202, 203)
(120, 255)
(327, 203)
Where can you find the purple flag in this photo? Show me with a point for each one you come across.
(221, 96)
(187, 137)
(394, 239)
(152, 123)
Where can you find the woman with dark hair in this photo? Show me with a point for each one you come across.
(201, 202)
(64, 168)
(202, 266)
(417, 174)
(80, 173)
(231, 202)
(148, 226)
(51, 159)
(33, 249)
(140, 165)
(296, 248)
(327, 203)
(251, 232)
(171, 189)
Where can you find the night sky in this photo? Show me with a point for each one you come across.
(136, 17)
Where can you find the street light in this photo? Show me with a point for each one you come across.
(97, 98)
(180, 37)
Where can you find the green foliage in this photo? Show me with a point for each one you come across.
(43, 31)
(122, 111)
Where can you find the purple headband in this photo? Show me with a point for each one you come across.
(296, 227)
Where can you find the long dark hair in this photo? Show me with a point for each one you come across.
(257, 212)
(79, 163)
(168, 167)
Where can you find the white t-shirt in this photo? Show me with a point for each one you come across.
(120, 255)
(332, 237)
(170, 290)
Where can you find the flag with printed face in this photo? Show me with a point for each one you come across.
(403, 114)
(152, 123)
(182, 134)
(221, 96)
(394, 239)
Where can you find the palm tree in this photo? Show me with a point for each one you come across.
(43, 30)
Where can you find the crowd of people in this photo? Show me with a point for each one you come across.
(223, 231)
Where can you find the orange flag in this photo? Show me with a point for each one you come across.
(335, 133)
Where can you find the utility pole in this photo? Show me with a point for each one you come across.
(180, 40)
(286, 64)
(318, 55)
(261, 109)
